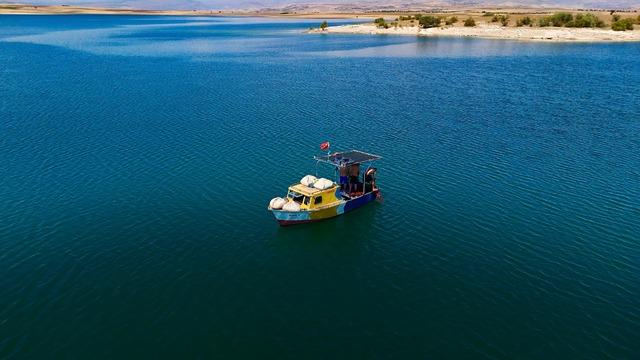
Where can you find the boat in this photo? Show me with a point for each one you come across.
(314, 199)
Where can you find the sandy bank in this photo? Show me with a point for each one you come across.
(495, 32)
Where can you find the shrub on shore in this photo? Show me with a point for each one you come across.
(503, 19)
(381, 23)
(452, 20)
(622, 25)
(561, 19)
(557, 19)
(469, 22)
(324, 25)
(587, 20)
(429, 21)
(525, 21)
(544, 21)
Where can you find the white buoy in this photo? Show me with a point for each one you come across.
(291, 206)
(323, 184)
(277, 203)
(308, 180)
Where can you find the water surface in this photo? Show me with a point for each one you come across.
(138, 154)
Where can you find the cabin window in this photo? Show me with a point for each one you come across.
(318, 200)
(299, 198)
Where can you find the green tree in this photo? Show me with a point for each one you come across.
(544, 21)
(557, 19)
(452, 20)
(469, 22)
(381, 23)
(324, 25)
(525, 21)
(622, 25)
(561, 18)
(503, 19)
(587, 20)
(429, 21)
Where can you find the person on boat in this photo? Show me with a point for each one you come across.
(354, 174)
(370, 180)
(344, 177)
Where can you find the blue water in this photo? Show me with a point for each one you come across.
(138, 155)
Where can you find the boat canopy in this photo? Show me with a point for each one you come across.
(346, 158)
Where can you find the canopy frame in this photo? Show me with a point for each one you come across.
(346, 158)
(353, 157)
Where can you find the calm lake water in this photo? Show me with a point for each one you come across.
(138, 155)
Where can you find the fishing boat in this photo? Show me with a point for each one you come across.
(314, 199)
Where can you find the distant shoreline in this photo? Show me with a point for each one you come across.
(20, 9)
(507, 24)
(7, 9)
(309, 11)
(483, 29)
(549, 34)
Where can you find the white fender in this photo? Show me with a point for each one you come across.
(308, 180)
(291, 206)
(277, 203)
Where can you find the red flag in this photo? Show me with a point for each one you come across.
(325, 145)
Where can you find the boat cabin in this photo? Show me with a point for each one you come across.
(310, 198)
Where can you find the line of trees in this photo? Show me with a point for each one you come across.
(429, 21)
(587, 20)
(560, 19)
